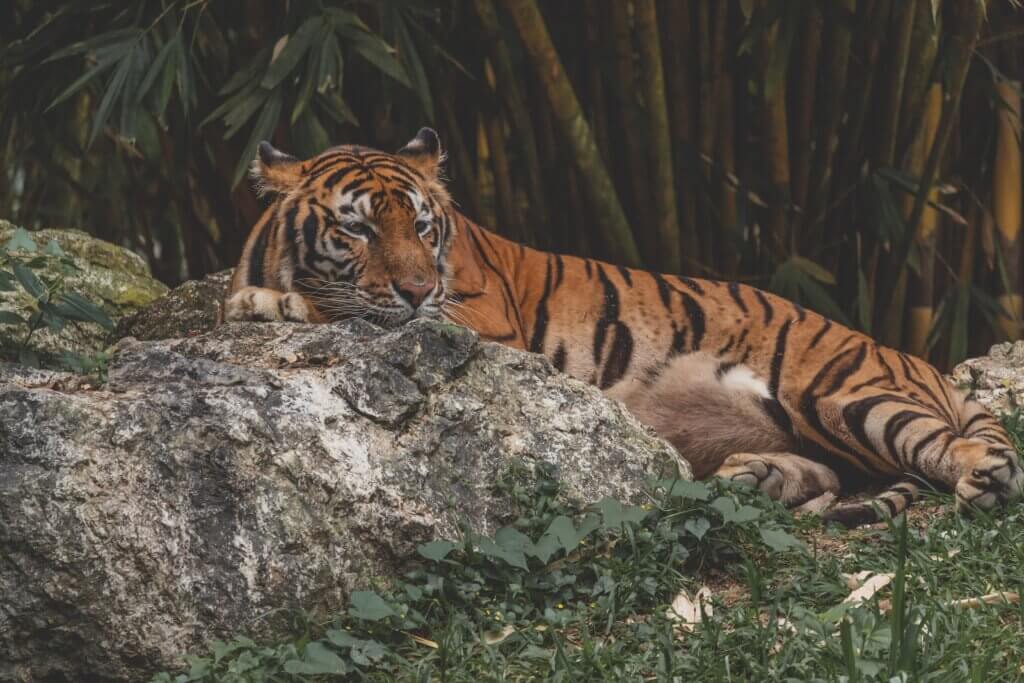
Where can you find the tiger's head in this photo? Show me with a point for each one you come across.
(361, 233)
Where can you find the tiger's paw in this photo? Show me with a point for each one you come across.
(258, 304)
(994, 479)
(755, 471)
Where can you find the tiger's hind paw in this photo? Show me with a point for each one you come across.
(994, 479)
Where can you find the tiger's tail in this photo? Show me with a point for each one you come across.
(887, 504)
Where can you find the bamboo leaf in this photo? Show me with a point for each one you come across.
(378, 53)
(76, 307)
(110, 96)
(262, 130)
(156, 69)
(102, 65)
(293, 51)
(32, 284)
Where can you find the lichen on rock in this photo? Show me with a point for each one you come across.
(114, 278)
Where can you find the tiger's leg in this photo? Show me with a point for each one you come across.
(956, 444)
(268, 305)
(785, 477)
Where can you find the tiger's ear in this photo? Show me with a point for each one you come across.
(273, 170)
(424, 153)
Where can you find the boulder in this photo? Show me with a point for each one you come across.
(110, 276)
(191, 308)
(214, 479)
(995, 380)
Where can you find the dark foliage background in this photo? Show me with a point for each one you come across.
(861, 156)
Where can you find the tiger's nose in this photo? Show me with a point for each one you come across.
(414, 292)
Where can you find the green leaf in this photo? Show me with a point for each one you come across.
(697, 527)
(53, 249)
(21, 240)
(369, 606)
(682, 488)
(7, 282)
(262, 130)
(29, 281)
(337, 109)
(436, 550)
(295, 48)
(156, 69)
(779, 540)
(110, 96)
(560, 535)
(76, 307)
(374, 50)
(511, 556)
(731, 514)
(813, 269)
(9, 318)
(244, 76)
(615, 514)
(317, 659)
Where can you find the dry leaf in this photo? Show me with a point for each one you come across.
(495, 637)
(421, 640)
(990, 599)
(868, 588)
(687, 611)
(855, 581)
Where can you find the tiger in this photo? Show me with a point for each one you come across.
(746, 385)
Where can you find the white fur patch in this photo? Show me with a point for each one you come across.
(741, 378)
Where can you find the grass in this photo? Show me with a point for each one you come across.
(565, 594)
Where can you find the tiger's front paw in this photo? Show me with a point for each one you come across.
(257, 304)
(994, 479)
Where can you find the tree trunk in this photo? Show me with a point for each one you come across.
(667, 224)
(573, 125)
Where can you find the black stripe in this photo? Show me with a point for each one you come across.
(843, 365)
(589, 268)
(619, 357)
(475, 235)
(309, 240)
(558, 360)
(723, 368)
(801, 314)
(970, 423)
(540, 322)
(778, 414)
(910, 372)
(624, 272)
(768, 311)
(559, 271)
(258, 255)
(734, 292)
(821, 333)
(609, 314)
(728, 345)
(896, 424)
(691, 283)
(695, 314)
(663, 291)
(855, 416)
(778, 357)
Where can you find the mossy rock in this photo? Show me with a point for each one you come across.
(112, 277)
(189, 309)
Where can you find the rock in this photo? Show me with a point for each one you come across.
(186, 310)
(259, 466)
(995, 380)
(110, 276)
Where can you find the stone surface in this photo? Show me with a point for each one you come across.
(215, 478)
(191, 308)
(995, 380)
(110, 276)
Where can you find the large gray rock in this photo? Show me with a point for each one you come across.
(995, 380)
(215, 478)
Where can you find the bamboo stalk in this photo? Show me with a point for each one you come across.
(595, 82)
(890, 121)
(776, 153)
(804, 125)
(507, 88)
(1006, 200)
(828, 138)
(625, 90)
(485, 176)
(456, 145)
(970, 14)
(921, 285)
(573, 124)
(924, 45)
(727, 209)
(667, 224)
(675, 43)
(505, 193)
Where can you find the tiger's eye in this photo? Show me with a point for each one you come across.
(356, 229)
(423, 227)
